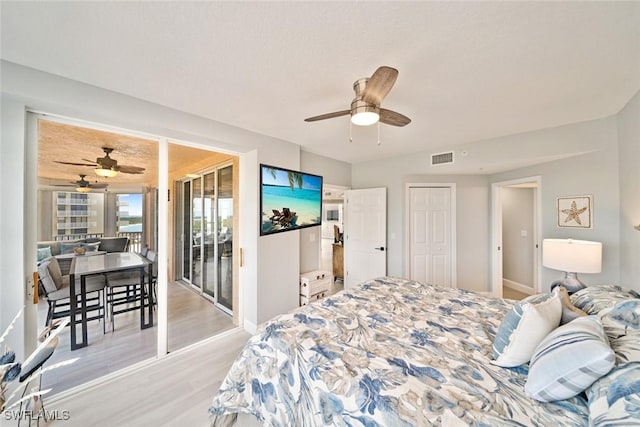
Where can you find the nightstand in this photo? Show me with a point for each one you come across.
(315, 285)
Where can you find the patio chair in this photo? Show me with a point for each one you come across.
(56, 290)
(123, 289)
(152, 256)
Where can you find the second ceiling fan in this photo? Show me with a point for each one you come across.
(365, 108)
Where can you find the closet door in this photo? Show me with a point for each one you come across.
(430, 235)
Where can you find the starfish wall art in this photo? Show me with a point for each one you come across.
(575, 211)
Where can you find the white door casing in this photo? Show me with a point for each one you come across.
(496, 232)
(430, 235)
(365, 235)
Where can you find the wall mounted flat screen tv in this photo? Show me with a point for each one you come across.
(289, 200)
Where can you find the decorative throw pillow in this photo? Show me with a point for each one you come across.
(91, 247)
(568, 360)
(615, 398)
(44, 253)
(67, 248)
(622, 325)
(55, 272)
(593, 299)
(524, 326)
(45, 277)
(569, 311)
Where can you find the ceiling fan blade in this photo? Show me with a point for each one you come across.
(130, 169)
(63, 185)
(328, 116)
(379, 85)
(98, 185)
(76, 164)
(389, 117)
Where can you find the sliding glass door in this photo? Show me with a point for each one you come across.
(207, 234)
(225, 237)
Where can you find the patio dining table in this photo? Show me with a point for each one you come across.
(85, 266)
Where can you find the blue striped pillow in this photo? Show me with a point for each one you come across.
(524, 326)
(569, 360)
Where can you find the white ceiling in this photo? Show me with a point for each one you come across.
(468, 71)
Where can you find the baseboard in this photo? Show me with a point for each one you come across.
(485, 293)
(518, 287)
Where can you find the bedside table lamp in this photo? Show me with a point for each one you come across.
(572, 257)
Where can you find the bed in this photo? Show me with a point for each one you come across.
(391, 352)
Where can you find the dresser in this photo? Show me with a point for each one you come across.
(315, 285)
(338, 261)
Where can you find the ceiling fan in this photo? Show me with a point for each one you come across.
(365, 108)
(106, 166)
(82, 185)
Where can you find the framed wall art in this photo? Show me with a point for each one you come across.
(575, 211)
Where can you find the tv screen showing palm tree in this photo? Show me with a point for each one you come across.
(289, 200)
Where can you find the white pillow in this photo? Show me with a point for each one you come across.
(524, 327)
(569, 360)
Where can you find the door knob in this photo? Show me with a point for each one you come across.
(381, 248)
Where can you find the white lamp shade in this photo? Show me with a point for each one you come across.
(575, 256)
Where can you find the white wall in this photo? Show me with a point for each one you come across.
(279, 253)
(629, 175)
(472, 221)
(589, 165)
(333, 172)
(594, 173)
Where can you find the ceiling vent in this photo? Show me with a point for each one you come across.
(442, 158)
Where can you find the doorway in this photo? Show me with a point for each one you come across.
(205, 225)
(331, 249)
(515, 239)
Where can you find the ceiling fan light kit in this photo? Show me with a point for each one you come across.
(106, 173)
(83, 186)
(363, 113)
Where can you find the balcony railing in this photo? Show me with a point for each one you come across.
(72, 225)
(135, 238)
(64, 237)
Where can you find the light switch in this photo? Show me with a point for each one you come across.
(523, 233)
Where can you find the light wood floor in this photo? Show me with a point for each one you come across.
(191, 319)
(174, 391)
(509, 293)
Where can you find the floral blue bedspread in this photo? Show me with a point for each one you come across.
(390, 352)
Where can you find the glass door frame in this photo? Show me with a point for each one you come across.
(187, 237)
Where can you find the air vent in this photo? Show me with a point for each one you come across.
(441, 158)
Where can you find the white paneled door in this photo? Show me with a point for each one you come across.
(365, 235)
(430, 235)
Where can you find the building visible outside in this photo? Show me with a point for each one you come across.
(78, 213)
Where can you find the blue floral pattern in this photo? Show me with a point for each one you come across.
(391, 352)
